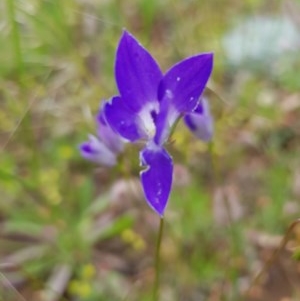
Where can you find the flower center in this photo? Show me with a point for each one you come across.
(148, 116)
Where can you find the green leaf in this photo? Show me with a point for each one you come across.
(114, 228)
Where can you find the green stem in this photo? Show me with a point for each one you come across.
(157, 260)
(15, 36)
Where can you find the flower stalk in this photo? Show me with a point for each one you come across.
(157, 260)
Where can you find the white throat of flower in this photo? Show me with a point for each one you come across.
(146, 118)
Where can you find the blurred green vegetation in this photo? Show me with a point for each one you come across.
(56, 210)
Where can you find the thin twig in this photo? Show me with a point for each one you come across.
(275, 254)
(10, 286)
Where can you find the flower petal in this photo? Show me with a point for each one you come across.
(165, 120)
(122, 120)
(106, 134)
(137, 73)
(200, 121)
(95, 151)
(184, 83)
(157, 178)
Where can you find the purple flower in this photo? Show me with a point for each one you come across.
(104, 148)
(149, 105)
(200, 121)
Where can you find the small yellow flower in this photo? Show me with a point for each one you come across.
(88, 272)
(66, 152)
(49, 179)
(133, 239)
(82, 289)
(128, 235)
(73, 287)
(139, 244)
